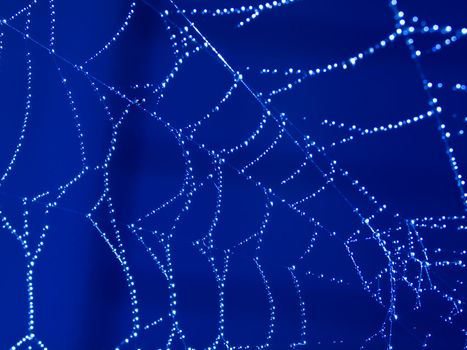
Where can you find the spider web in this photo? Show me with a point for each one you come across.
(205, 178)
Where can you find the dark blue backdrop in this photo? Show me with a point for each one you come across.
(81, 297)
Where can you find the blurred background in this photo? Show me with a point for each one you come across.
(324, 268)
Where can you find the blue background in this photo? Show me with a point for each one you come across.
(81, 297)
